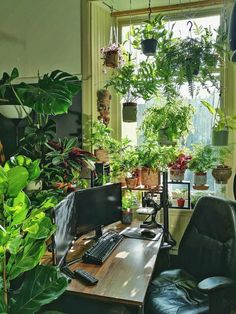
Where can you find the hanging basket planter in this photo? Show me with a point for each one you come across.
(220, 138)
(129, 112)
(222, 174)
(149, 47)
(111, 59)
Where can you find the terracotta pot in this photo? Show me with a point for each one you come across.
(111, 59)
(150, 177)
(101, 155)
(177, 174)
(200, 178)
(180, 202)
(131, 182)
(222, 174)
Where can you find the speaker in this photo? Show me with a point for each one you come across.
(232, 32)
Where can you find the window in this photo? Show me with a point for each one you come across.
(202, 118)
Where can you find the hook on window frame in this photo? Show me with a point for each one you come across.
(191, 25)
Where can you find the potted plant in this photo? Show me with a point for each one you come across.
(132, 82)
(195, 59)
(153, 158)
(101, 139)
(112, 55)
(25, 285)
(117, 151)
(148, 35)
(129, 166)
(129, 202)
(221, 172)
(222, 124)
(168, 122)
(51, 95)
(180, 197)
(64, 163)
(203, 159)
(179, 166)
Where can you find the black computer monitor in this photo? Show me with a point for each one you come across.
(65, 217)
(84, 211)
(97, 207)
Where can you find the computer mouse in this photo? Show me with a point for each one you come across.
(148, 233)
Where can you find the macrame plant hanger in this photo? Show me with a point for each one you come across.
(129, 110)
(112, 53)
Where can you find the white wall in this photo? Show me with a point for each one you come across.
(40, 35)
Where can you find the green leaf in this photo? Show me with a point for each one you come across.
(210, 108)
(34, 170)
(3, 181)
(29, 258)
(14, 244)
(41, 286)
(17, 180)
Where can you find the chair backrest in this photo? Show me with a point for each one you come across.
(208, 246)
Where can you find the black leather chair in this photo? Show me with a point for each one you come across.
(207, 260)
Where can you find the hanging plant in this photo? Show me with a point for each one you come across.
(196, 59)
(148, 35)
(112, 55)
(221, 125)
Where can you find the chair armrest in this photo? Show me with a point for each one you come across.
(214, 283)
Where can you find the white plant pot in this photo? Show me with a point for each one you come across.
(14, 111)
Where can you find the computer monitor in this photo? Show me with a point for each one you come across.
(97, 207)
(65, 217)
(84, 211)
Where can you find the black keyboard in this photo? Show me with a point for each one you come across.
(103, 248)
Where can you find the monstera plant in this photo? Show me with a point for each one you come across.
(51, 95)
(24, 284)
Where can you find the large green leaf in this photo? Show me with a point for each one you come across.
(28, 259)
(17, 207)
(53, 93)
(17, 180)
(41, 286)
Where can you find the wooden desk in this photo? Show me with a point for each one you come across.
(123, 277)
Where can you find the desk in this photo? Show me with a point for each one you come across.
(123, 277)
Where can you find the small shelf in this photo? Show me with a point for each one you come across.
(155, 189)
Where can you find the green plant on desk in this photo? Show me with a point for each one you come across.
(24, 284)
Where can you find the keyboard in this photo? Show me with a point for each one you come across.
(103, 248)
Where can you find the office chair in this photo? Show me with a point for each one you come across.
(207, 260)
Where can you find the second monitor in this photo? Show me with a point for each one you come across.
(97, 207)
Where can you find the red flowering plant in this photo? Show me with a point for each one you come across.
(64, 162)
(178, 167)
(181, 162)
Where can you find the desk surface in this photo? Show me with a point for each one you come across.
(124, 276)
